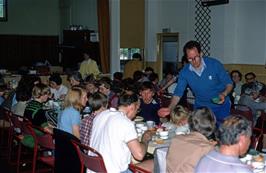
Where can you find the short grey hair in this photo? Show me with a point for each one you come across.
(203, 121)
(232, 128)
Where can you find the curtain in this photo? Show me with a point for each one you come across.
(104, 33)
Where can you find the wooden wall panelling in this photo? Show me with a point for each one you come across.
(25, 50)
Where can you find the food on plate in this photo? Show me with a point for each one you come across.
(152, 129)
(258, 158)
(159, 141)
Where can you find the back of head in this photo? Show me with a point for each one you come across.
(90, 79)
(231, 129)
(137, 75)
(76, 76)
(149, 69)
(97, 101)
(127, 99)
(203, 121)
(118, 76)
(55, 77)
(153, 77)
(106, 82)
(137, 56)
(40, 90)
(73, 97)
(178, 114)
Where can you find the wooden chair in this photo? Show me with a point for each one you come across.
(93, 162)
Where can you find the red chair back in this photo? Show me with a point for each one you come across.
(46, 142)
(135, 169)
(93, 162)
(257, 139)
(243, 110)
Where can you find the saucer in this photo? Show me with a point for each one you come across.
(163, 137)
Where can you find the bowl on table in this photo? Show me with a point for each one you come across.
(139, 125)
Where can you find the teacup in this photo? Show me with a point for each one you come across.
(150, 124)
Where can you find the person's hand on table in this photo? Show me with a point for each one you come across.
(163, 112)
(147, 136)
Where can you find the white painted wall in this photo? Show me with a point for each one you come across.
(176, 15)
(84, 12)
(32, 17)
(239, 32)
(238, 29)
(49, 17)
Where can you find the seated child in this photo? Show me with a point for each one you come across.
(148, 105)
(178, 121)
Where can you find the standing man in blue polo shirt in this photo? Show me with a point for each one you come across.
(208, 80)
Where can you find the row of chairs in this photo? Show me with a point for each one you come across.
(257, 127)
(19, 127)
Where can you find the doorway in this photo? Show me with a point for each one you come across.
(167, 53)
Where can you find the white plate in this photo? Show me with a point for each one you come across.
(164, 137)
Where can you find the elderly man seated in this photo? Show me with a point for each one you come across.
(234, 135)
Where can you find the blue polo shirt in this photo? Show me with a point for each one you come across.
(209, 84)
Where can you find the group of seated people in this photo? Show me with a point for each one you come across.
(252, 93)
(108, 126)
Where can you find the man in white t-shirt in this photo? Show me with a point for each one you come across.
(58, 90)
(115, 137)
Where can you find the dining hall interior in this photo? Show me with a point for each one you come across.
(136, 47)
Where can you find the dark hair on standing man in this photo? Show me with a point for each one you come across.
(192, 44)
(203, 121)
(127, 99)
(55, 77)
(232, 128)
(97, 100)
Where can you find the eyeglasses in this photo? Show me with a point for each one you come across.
(251, 78)
(193, 59)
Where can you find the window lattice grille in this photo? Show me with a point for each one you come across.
(203, 27)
